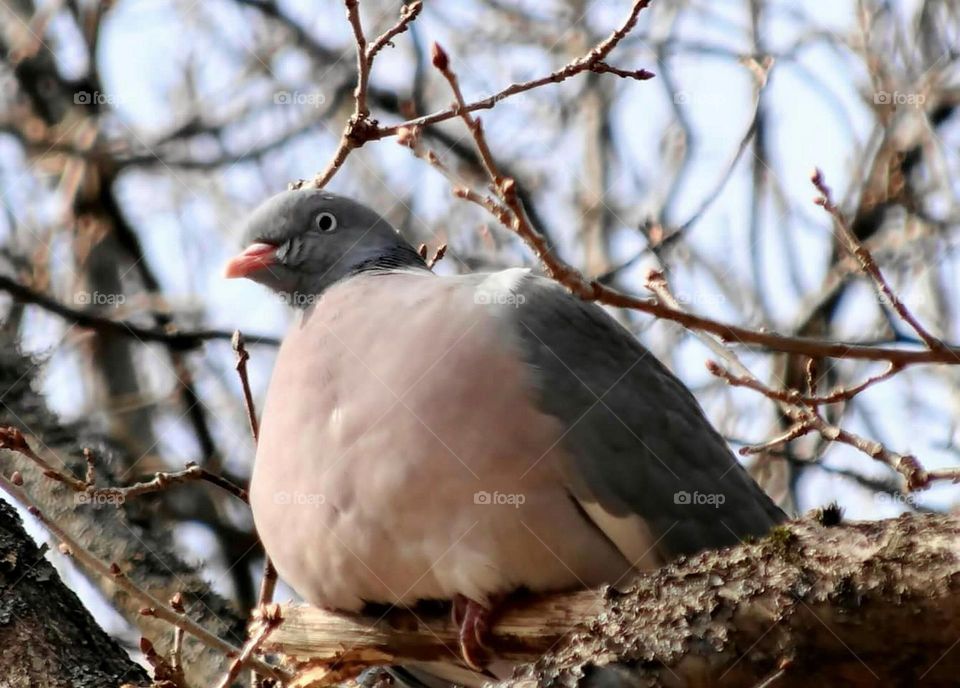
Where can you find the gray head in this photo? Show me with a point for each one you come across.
(301, 242)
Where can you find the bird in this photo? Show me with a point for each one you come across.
(463, 437)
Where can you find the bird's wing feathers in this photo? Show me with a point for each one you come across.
(643, 460)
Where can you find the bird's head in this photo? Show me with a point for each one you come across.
(300, 242)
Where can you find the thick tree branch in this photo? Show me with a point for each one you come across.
(71, 653)
(816, 603)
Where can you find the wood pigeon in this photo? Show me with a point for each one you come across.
(464, 437)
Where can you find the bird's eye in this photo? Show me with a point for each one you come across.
(326, 222)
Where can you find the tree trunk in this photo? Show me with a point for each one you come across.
(47, 637)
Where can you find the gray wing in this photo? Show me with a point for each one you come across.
(637, 440)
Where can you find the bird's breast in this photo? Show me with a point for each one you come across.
(401, 456)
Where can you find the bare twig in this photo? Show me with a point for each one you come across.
(792, 396)
(363, 64)
(152, 605)
(793, 432)
(176, 653)
(509, 211)
(804, 416)
(178, 340)
(164, 671)
(268, 582)
(807, 419)
(239, 347)
(869, 265)
(269, 620)
(13, 439)
(437, 255)
(407, 14)
(360, 128)
(586, 63)
(638, 74)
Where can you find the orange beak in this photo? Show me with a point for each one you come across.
(255, 257)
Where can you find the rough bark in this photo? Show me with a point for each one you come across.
(47, 637)
(858, 604)
(125, 535)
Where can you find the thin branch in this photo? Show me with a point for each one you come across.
(805, 417)
(795, 431)
(269, 620)
(153, 606)
(363, 64)
(360, 128)
(869, 265)
(238, 342)
(638, 74)
(407, 14)
(268, 582)
(13, 439)
(176, 653)
(907, 465)
(792, 396)
(178, 340)
(512, 215)
(586, 63)
(165, 673)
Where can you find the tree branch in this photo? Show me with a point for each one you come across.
(178, 340)
(810, 601)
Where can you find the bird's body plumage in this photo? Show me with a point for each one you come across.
(429, 436)
(409, 460)
(463, 437)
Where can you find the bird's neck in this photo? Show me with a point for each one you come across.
(383, 260)
(399, 257)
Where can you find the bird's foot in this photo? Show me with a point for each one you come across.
(474, 621)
